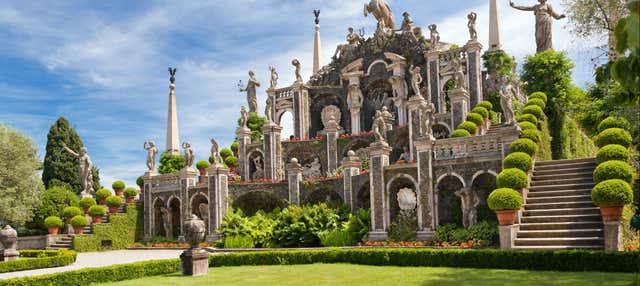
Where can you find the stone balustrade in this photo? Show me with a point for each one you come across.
(285, 92)
(464, 147)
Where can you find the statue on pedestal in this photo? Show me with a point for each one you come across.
(473, 33)
(268, 109)
(195, 261)
(469, 201)
(382, 12)
(188, 155)
(407, 27)
(354, 96)
(353, 40)
(85, 170)
(243, 117)
(429, 117)
(506, 99)
(544, 18)
(166, 222)
(215, 156)
(458, 73)
(274, 77)
(435, 36)
(296, 64)
(152, 151)
(416, 79)
(388, 117)
(252, 98)
(379, 128)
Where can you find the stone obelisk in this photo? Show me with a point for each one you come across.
(316, 43)
(495, 41)
(173, 145)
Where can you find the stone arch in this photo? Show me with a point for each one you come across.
(378, 93)
(363, 196)
(258, 200)
(441, 130)
(376, 62)
(158, 222)
(396, 183)
(478, 173)
(357, 145)
(194, 204)
(483, 182)
(287, 126)
(447, 86)
(451, 174)
(449, 209)
(319, 103)
(324, 195)
(252, 165)
(175, 209)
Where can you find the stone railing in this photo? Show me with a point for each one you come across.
(166, 182)
(286, 92)
(446, 56)
(465, 147)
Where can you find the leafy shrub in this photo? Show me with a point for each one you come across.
(504, 199)
(87, 202)
(461, 235)
(538, 95)
(485, 231)
(52, 202)
(38, 259)
(170, 163)
(97, 211)
(103, 194)
(225, 153)
(121, 230)
(469, 126)
(533, 110)
(613, 122)
(202, 164)
(70, 212)
(235, 223)
(613, 170)
(336, 238)
(238, 241)
(231, 161)
(460, 133)
(234, 147)
(403, 228)
(114, 201)
(475, 118)
(486, 104)
(79, 220)
(612, 152)
(613, 136)
(445, 232)
(524, 145)
(53, 221)
(140, 182)
(358, 224)
(537, 102)
(527, 118)
(512, 178)
(533, 135)
(481, 110)
(300, 226)
(118, 185)
(525, 125)
(518, 160)
(612, 192)
(130, 192)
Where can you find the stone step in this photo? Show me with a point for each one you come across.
(559, 205)
(562, 162)
(561, 225)
(557, 212)
(557, 247)
(562, 176)
(594, 240)
(563, 171)
(558, 199)
(565, 166)
(549, 182)
(560, 193)
(562, 218)
(61, 245)
(563, 187)
(566, 233)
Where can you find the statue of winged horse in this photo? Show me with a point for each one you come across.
(381, 11)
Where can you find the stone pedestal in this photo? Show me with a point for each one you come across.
(218, 192)
(425, 192)
(355, 119)
(195, 262)
(148, 208)
(350, 168)
(379, 159)
(243, 136)
(433, 80)
(613, 236)
(415, 122)
(333, 133)
(9, 255)
(474, 72)
(459, 106)
(301, 116)
(294, 170)
(9, 241)
(272, 149)
(508, 235)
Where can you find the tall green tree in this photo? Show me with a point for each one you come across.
(20, 185)
(60, 167)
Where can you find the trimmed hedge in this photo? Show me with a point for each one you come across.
(87, 202)
(70, 212)
(524, 145)
(202, 164)
(613, 122)
(130, 192)
(121, 231)
(460, 133)
(97, 211)
(38, 259)
(613, 170)
(539, 95)
(525, 125)
(533, 135)
(79, 220)
(612, 192)
(613, 136)
(53, 221)
(533, 110)
(504, 199)
(481, 110)
(469, 126)
(114, 201)
(528, 118)
(512, 178)
(612, 152)
(518, 160)
(486, 104)
(475, 118)
(118, 185)
(103, 194)
(537, 102)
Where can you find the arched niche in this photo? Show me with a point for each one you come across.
(378, 93)
(318, 104)
(484, 183)
(363, 197)
(395, 184)
(324, 195)
(255, 201)
(158, 226)
(449, 207)
(175, 210)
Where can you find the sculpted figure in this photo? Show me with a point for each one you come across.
(166, 222)
(429, 117)
(188, 154)
(544, 18)
(435, 35)
(405, 155)
(408, 26)
(243, 117)
(259, 172)
(252, 99)
(296, 63)
(379, 128)
(469, 201)
(473, 33)
(458, 73)
(354, 95)
(388, 118)
(152, 151)
(506, 99)
(85, 168)
(313, 169)
(274, 77)
(215, 156)
(204, 213)
(382, 12)
(416, 79)
(353, 40)
(268, 109)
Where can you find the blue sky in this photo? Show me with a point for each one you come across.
(103, 64)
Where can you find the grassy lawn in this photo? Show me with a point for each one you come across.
(347, 274)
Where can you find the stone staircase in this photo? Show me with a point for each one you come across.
(495, 128)
(558, 212)
(62, 242)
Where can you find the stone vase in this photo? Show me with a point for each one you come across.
(119, 193)
(611, 212)
(9, 237)
(506, 217)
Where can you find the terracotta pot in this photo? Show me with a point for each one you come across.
(86, 210)
(68, 220)
(113, 210)
(203, 172)
(78, 230)
(102, 202)
(119, 193)
(506, 217)
(611, 213)
(130, 200)
(53, 230)
(96, 219)
(141, 190)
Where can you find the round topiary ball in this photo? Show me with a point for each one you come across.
(460, 133)
(486, 104)
(103, 194)
(612, 193)
(524, 145)
(533, 135)
(613, 122)
(70, 212)
(114, 201)
(518, 160)
(613, 136)
(527, 118)
(504, 199)
(539, 95)
(53, 221)
(612, 152)
(87, 202)
(481, 110)
(537, 102)
(140, 182)
(202, 165)
(512, 178)
(527, 126)
(469, 126)
(475, 118)
(231, 161)
(118, 185)
(79, 221)
(613, 170)
(130, 192)
(97, 211)
(533, 110)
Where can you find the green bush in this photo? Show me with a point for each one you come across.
(612, 152)
(114, 201)
(518, 160)
(97, 211)
(538, 95)
(170, 163)
(533, 135)
(533, 110)
(525, 125)
(121, 231)
(70, 212)
(527, 118)
(445, 232)
(481, 110)
(87, 202)
(234, 147)
(524, 145)
(336, 238)
(231, 161)
(103, 194)
(238, 241)
(613, 122)
(300, 226)
(53, 221)
(504, 199)
(52, 202)
(118, 185)
(475, 118)
(38, 259)
(469, 126)
(512, 178)
(613, 136)
(613, 170)
(485, 231)
(612, 192)
(358, 224)
(486, 104)
(225, 153)
(140, 182)
(202, 164)
(537, 102)
(130, 192)
(79, 220)
(460, 133)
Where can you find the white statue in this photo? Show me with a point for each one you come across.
(544, 18)
(388, 118)
(313, 169)
(473, 33)
(329, 112)
(429, 117)
(354, 96)
(243, 117)
(274, 77)
(379, 128)
(382, 12)
(353, 40)
(152, 151)
(416, 79)
(268, 109)
(405, 155)
(188, 154)
(85, 170)
(296, 64)
(458, 73)
(435, 36)
(407, 201)
(259, 172)
(204, 213)
(215, 156)
(506, 99)
(469, 201)
(166, 222)
(252, 98)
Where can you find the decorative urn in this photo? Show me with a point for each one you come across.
(195, 231)
(9, 237)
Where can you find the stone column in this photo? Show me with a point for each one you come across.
(188, 178)
(433, 80)
(398, 68)
(379, 159)
(354, 95)
(272, 148)
(173, 144)
(425, 192)
(243, 136)
(613, 236)
(294, 170)
(508, 235)
(495, 41)
(301, 118)
(332, 132)
(415, 122)
(316, 49)
(350, 168)
(148, 207)
(459, 106)
(218, 192)
(474, 72)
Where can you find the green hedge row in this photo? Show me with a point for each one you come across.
(36, 259)
(121, 231)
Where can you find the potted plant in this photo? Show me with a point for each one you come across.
(140, 183)
(70, 212)
(118, 187)
(114, 202)
(202, 166)
(53, 224)
(130, 194)
(96, 213)
(505, 202)
(86, 203)
(102, 195)
(79, 222)
(611, 196)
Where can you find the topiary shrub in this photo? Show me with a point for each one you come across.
(486, 104)
(613, 170)
(528, 118)
(518, 160)
(512, 178)
(114, 201)
(612, 152)
(87, 202)
(103, 194)
(231, 161)
(611, 193)
(97, 211)
(537, 102)
(70, 212)
(533, 110)
(202, 165)
(53, 221)
(225, 153)
(539, 95)
(613, 122)
(140, 182)
(533, 135)
(527, 126)
(469, 126)
(481, 110)
(79, 221)
(130, 192)
(475, 118)
(460, 133)
(524, 145)
(118, 185)
(613, 136)
(504, 199)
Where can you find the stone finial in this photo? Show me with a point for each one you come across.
(316, 12)
(172, 74)
(294, 161)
